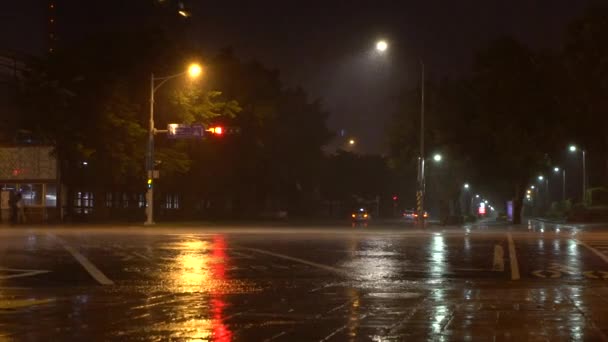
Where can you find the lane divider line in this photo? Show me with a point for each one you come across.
(301, 261)
(84, 262)
(513, 258)
(595, 251)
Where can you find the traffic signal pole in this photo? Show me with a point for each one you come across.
(150, 160)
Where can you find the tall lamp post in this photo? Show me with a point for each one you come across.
(547, 201)
(556, 170)
(421, 180)
(381, 47)
(573, 149)
(194, 71)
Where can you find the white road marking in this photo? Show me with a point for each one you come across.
(301, 261)
(23, 303)
(84, 262)
(541, 273)
(513, 258)
(18, 273)
(499, 259)
(145, 257)
(595, 251)
(275, 336)
(328, 337)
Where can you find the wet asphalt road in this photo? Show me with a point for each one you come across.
(536, 282)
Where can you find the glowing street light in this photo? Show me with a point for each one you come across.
(381, 45)
(351, 142)
(532, 187)
(437, 157)
(540, 178)
(556, 169)
(194, 70)
(466, 185)
(572, 148)
(476, 196)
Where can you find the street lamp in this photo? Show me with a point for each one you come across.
(574, 148)
(193, 71)
(381, 45)
(556, 170)
(476, 196)
(466, 185)
(437, 158)
(351, 142)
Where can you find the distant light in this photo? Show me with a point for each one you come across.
(486, 202)
(540, 178)
(572, 148)
(466, 185)
(184, 13)
(529, 192)
(476, 196)
(381, 45)
(85, 163)
(556, 169)
(542, 230)
(361, 209)
(532, 187)
(437, 157)
(395, 198)
(351, 142)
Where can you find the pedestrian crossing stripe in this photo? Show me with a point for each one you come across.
(22, 303)
(9, 273)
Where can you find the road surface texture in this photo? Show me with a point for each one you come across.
(536, 282)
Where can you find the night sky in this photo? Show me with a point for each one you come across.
(324, 46)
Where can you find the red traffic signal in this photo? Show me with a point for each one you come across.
(395, 198)
(217, 130)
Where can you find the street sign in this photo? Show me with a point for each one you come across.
(182, 131)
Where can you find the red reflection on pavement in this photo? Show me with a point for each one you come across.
(221, 332)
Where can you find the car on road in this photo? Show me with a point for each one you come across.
(360, 216)
(412, 216)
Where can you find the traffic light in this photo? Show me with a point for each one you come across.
(223, 130)
(395, 197)
(149, 183)
(216, 130)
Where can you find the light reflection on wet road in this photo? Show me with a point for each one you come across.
(299, 284)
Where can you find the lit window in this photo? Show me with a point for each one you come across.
(83, 202)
